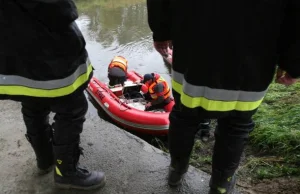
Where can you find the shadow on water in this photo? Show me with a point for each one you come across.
(160, 142)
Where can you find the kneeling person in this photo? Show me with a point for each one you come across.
(117, 71)
(158, 92)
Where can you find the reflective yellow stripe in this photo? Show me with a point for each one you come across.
(215, 99)
(27, 91)
(214, 105)
(176, 86)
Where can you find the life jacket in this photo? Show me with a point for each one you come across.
(120, 62)
(158, 79)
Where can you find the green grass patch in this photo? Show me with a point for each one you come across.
(268, 167)
(277, 133)
(201, 156)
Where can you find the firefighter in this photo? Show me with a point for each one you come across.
(236, 51)
(157, 91)
(117, 71)
(45, 66)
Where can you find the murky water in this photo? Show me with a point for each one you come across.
(119, 27)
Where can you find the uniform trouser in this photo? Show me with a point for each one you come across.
(231, 135)
(68, 120)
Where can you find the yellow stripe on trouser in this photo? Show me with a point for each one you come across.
(213, 105)
(27, 91)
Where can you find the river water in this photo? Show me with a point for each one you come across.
(119, 27)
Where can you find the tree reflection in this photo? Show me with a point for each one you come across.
(111, 21)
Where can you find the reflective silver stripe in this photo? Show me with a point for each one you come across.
(216, 94)
(221, 94)
(47, 85)
(119, 60)
(128, 123)
(178, 77)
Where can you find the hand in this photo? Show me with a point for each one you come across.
(284, 78)
(148, 105)
(162, 47)
(171, 45)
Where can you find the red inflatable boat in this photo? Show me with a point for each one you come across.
(125, 105)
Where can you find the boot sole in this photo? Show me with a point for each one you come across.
(44, 171)
(175, 184)
(69, 186)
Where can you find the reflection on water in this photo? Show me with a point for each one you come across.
(119, 27)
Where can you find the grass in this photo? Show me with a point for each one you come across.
(276, 138)
(196, 158)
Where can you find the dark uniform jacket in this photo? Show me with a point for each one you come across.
(225, 52)
(42, 51)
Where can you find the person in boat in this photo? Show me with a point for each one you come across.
(157, 91)
(117, 71)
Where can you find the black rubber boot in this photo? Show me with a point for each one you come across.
(67, 175)
(221, 183)
(231, 136)
(177, 170)
(204, 130)
(42, 146)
